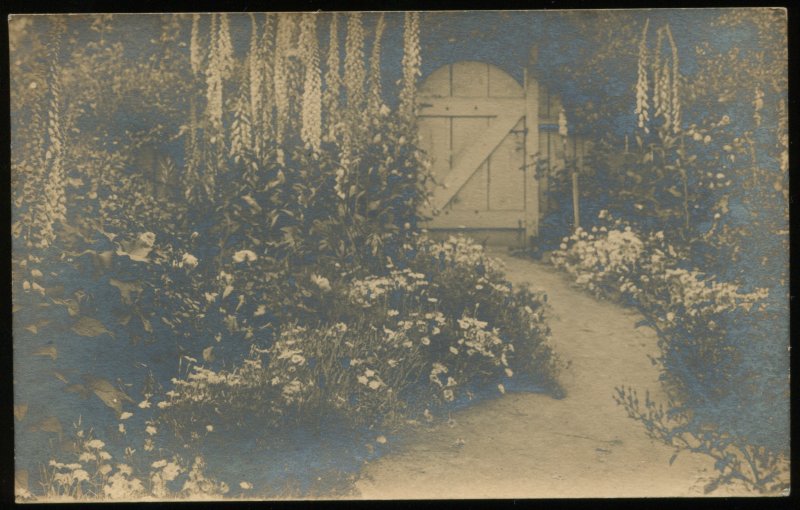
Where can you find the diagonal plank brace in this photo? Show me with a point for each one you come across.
(472, 157)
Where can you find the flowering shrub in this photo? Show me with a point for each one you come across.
(94, 474)
(605, 261)
(387, 348)
(690, 310)
(708, 336)
(759, 467)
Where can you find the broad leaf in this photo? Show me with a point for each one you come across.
(88, 326)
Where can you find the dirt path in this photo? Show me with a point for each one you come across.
(530, 445)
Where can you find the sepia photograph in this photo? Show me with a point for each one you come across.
(400, 255)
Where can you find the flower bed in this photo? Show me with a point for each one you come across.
(715, 346)
(383, 348)
(689, 309)
(342, 356)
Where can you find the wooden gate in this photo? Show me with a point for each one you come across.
(474, 125)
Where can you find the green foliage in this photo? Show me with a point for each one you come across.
(759, 468)
(716, 360)
(701, 183)
(379, 350)
(90, 473)
(211, 216)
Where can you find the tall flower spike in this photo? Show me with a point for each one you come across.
(214, 80)
(241, 132)
(354, 71)
(676, 80)
(195, 46)
(658, 85)
(191, 173)
(255, 79)
(332, 80)
(283, 40)
(311, 112)
(53, 208)
(411, 65)
(641, 82)
(225, 47)
(375, 93)
(31, 171)
(663, 91)
(354, 76)
(265, 132)
(54, 187)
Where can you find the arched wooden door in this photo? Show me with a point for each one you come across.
(472, 124)
(493, 145)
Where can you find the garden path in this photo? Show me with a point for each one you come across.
(525, 445)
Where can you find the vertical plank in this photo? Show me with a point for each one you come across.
(434, 134)
(507, 185)
(470, 79)
(545, 164)
(556, 153)
(553, 108)
(576, 207)
(543, 102)
(503, 85)
(472, 196)
(437, 84)
(532, 147)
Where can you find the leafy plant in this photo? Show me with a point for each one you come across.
(713, 342)
(93, 474)
(736, 459)
(379, 350)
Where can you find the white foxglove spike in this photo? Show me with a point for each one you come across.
(195, 48)
(641, 82)
(332, 80)
(311, 114)
(411, 64)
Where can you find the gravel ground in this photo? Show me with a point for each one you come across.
(525, 445)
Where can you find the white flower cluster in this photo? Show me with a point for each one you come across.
(197, 485)
(476, 339)
(462, 251)
(367, 291)
(201, 384)
(617, 261)
(95, 475)
(701, 296)
(123, 485)
(370, 379)
(244, 256)
(594, 258)
(163, 472)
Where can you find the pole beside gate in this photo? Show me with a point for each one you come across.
(531, 151)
